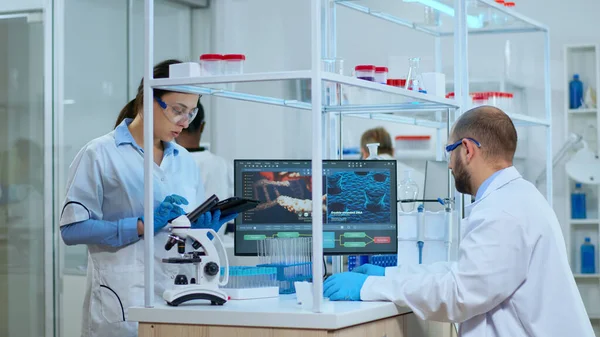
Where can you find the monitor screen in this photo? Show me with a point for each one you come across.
(359, 204)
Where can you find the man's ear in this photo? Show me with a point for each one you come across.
(469, 147)
(202, 127)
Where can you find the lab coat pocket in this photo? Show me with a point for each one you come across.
(119, 291)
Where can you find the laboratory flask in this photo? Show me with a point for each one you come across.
(407, 190)
(413, 79)
(373, 151)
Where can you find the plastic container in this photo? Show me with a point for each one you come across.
(588, 257)
(351, 262)
(365, 72)
(384, 260)
(233, 64)
(575, 92)
(479, 99)
(381, 74)
(287, 274)
(210, 64)
(363, 259)
(578, 208)
(397, 82)
(412, 143)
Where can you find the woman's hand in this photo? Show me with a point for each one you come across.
(167, 210)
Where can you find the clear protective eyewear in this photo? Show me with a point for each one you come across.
(177, 114)
(452, 147)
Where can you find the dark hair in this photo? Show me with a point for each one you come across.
(492, 128)
(132, 108)
(196, 122)
(378, 135)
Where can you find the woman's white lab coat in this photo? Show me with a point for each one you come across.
(512, 277)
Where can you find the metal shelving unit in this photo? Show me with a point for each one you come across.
(584, 60)
(382, 102)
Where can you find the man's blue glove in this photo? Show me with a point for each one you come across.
(344, 286)
(167, 210)
(213, 221)
(370, 269)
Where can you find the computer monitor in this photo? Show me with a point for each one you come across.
(359, 204)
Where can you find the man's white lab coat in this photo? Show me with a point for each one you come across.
(217, 175)
(512, 277)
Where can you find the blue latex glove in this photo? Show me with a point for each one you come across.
(344, 286)
(214, 220)
(167, 210)
(370, 269)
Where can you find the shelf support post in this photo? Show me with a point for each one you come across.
(148, 157)
(317, 162)
(548, 108)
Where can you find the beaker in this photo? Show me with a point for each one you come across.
(431, 17)
(413, 79)
(332, 91)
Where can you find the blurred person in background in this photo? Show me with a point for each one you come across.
(216, 172)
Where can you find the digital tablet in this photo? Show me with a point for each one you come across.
(206, 206)
(234, 205)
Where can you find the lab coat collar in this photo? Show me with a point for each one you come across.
(123, 136)
(506, 176)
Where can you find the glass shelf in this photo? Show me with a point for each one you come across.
(350, 96)
(524, 120)
(483, 16)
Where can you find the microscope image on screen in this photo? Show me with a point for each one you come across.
(358, 197)
(285, 197)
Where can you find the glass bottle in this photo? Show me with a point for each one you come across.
(413, 79)
(408, 190)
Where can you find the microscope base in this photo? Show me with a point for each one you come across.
(184, 293)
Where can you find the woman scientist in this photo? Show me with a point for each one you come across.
(104, 207)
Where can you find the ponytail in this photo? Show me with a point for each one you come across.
(128, 111)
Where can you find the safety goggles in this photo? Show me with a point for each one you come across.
(452, 147)
(177, 114)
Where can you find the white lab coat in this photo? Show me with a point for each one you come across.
(217, 175)
(512, 277)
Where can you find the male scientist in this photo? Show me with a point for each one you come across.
(216, 172)
(512, 276)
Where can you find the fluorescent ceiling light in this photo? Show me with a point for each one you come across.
(472, 21)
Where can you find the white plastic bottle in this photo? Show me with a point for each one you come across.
(408, 190)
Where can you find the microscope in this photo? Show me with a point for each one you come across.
(204, 284)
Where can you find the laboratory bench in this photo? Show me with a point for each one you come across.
(274, 317)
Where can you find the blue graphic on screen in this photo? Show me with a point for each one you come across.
(348, 201)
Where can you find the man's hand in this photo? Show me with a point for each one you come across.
(370, 269)
(344, 286)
